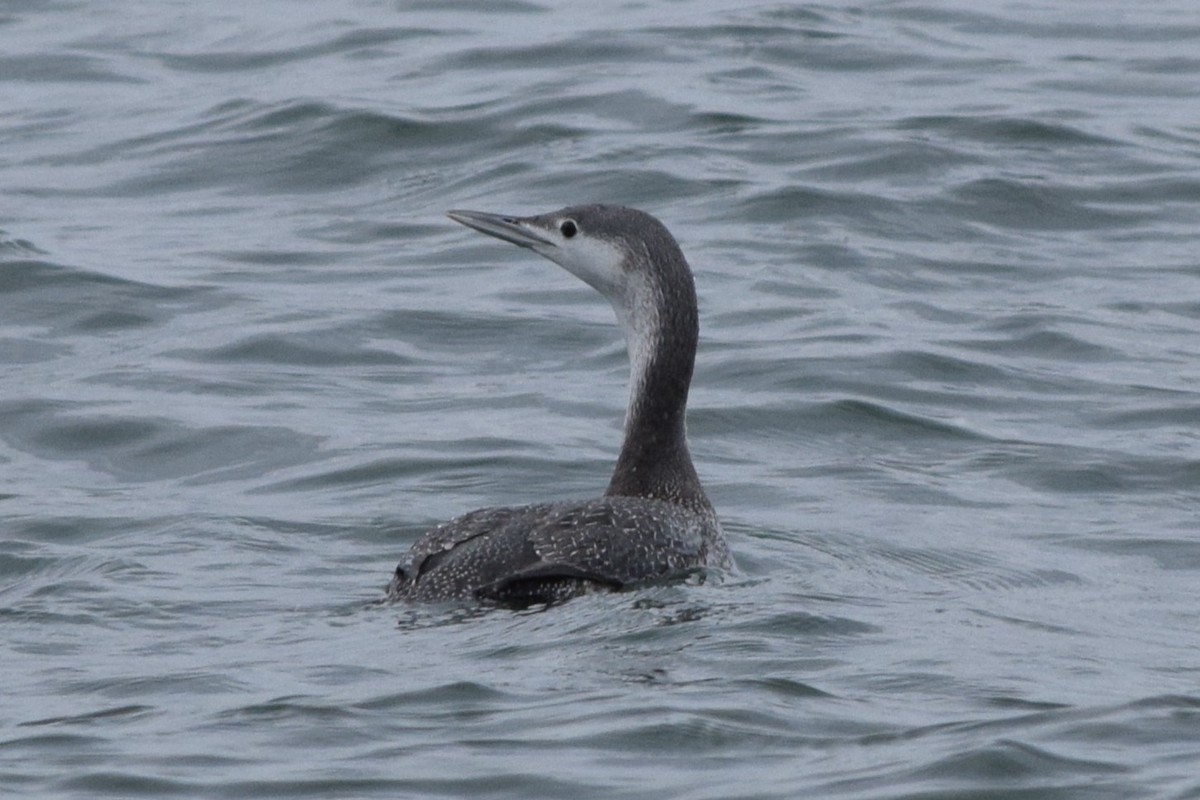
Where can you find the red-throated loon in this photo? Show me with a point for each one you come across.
(654, 522)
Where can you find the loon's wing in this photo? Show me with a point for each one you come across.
(477, 549)
(621, 540)
(610, 543)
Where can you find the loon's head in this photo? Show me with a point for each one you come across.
(625, 254)
(618, 251)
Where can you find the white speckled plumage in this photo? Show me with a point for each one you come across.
(654, 522)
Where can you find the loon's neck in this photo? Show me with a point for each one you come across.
(661, 336)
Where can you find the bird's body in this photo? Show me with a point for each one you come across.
(654, 523)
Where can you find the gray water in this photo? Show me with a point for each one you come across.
(946, 404)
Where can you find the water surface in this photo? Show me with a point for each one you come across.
(947, 400)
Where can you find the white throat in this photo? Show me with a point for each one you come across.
(638, 316)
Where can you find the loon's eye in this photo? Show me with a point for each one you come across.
(568, 228)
